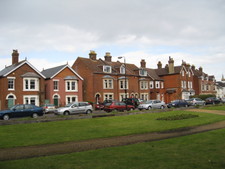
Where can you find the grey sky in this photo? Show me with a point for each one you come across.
(193, 29)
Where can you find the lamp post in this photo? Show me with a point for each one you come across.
(125, 74)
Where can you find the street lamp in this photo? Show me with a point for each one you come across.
(125, 74)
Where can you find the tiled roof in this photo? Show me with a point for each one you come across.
(31, 74)
(48, 73)
(10, 68)
(152, 73)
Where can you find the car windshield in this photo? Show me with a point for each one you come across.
(148, 102)
(68, 105)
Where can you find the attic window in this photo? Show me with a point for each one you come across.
(107, 69)
(142, 72)
(122, 69)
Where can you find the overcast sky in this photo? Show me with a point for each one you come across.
(54, 32)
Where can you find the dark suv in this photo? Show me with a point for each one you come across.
(131, 101)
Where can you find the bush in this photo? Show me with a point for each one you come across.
(178, 117)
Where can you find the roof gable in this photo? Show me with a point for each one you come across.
(5, 72)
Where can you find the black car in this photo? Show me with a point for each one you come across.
(131, 101)
(212, 100)
(22, 110)
(178, 103)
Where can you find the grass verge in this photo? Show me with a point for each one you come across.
(216, 107)
(74, 130)
(200, 151)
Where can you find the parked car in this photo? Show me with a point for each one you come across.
(100, 106)
(178, 103)
(152, 104)
(22, 110)
(49, 108)
(195, 101)
(74, 108)
(212, 100)
(118, 106)
(131, 101)
(223, 100)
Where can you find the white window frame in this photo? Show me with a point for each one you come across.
(143, 85)
(157, 84)
(162, 85)
(182, 72)
(151, 84)
(108, 96)
(144, 96)
(107, 84)
(123, 95)
(13, 81)
(142, 72)
(122, 82)
(107, 69)
(71, 98)
(29, 97)
(36, 83)
(70, 85)
(57, 85)
(122, 69)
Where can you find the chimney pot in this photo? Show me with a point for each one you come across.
(108, 57)
(92, 55)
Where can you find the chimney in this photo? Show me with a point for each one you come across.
(15, 57)
(193, 67)
(159, 65)
(167, 67)
(171, 65)
(200, 70)
(143, 63)
(184, 63)
(92, 55)
(108, 57)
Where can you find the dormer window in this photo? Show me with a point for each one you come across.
(142, 72)
(182, 73)
(107, 69)
(122, 69)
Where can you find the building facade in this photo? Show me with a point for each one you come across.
(21, 83)
(62, 85)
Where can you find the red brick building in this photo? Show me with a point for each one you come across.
(108, 80)
(178, 80)
(203, 83)
(21, 83)
(62, 85)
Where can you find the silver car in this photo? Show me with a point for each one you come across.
(74, 108)
(152, 104)
(195, 101)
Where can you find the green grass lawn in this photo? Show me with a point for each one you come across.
(74, 130)
(216, 107)
(199, 151)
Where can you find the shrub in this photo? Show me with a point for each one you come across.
(178, 117)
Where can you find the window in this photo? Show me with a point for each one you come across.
(142, 72)
(123, 84)
(71, 98)
(122, 69)
(123, 95)
(108, 96)
(151, 84)
(183, 84)
(182, 72)
(31, 84)
(143, 85)
(189, 84)
(107, 69)
(107, 83)
(162, 85)
(189, 74)
(31, 99)
(56, 85)
(144, 96)
(157, 84)
(71, 85)
(11, 83)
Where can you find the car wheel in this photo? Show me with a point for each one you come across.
(34, 115)
(162, 107)
(149, 108)
(6, 117)
(88, 111)
(66, 113)
(186, 105)
(131, 109)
